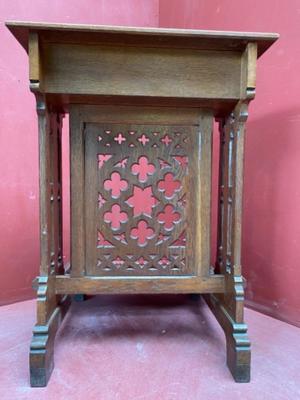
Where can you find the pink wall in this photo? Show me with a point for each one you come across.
(271, 234)
(19, 238)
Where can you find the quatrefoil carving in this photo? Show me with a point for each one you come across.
(168, 217)
(142, 233)
(115, 184)
(169, 186)
(115, 217)
(143, 168)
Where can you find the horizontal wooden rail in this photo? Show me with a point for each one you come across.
(145, 284)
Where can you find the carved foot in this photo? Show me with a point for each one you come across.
(41, 358)
(239, 354)
(237, 341)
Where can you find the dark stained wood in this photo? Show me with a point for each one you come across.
(203, 203)
(229, 306)
(41, 357)
(238, 352)
(34, 57)
(145, 284)
(140, 96)
(141, 115)
(50, 307)
(64, 102)
(201, 39)
(192, 126)
(248, 70)
(77, 195)
(150, 66)
(135, 71)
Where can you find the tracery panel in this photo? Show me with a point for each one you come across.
(139, 197)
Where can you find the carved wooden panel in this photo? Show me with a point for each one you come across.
(140, 196)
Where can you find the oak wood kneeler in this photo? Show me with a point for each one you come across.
(142, 103)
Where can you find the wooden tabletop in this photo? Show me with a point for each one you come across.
(202, 39)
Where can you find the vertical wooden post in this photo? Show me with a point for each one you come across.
(77, 193)
(206, 126)
(50, 307)
(229, 307)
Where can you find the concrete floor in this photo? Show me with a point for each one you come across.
(147, 348)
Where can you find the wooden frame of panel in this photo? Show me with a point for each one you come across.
(82, 115)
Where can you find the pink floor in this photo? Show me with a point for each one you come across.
(146, 348)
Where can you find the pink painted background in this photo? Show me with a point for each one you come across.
(271, 233)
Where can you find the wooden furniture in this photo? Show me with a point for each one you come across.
(142, 104)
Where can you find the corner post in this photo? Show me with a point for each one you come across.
(51, 308)
(229, 307)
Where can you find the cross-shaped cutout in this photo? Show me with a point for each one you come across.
(166, 140)
(120, 138)
(143, 139)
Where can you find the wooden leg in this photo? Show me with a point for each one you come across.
(51, 308)
(42, 346)
(229, 307)
(237, 341)
(51, 311)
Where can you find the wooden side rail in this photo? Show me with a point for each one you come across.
(147, 284)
